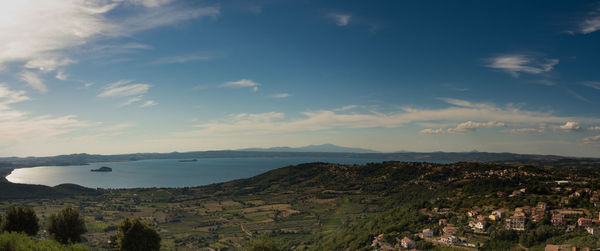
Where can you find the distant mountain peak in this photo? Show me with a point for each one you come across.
(331, 148)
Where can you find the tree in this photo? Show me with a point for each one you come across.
(67, 226)
(263, 243)
(20, 219)
(134, 235)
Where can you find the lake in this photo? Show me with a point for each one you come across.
(163, 172)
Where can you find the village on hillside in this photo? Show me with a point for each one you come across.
(568, 206)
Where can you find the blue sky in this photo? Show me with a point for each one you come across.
(119, 76)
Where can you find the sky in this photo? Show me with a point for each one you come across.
(126, 76)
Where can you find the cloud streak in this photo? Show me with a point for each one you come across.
(515, 64)
(183, 59)
(148, 103)
(242, 83)
(33, 80)
(124, 88)
(590, 23)
(280, 95)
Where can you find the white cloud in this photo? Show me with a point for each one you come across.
(123, 88)
(570, 126)
(41, 35)
(148, 104)
(48, 62)
(340, 19)
(265, 123)
(515, 64)
(33, 80)
(471, 126)
(432, 131)
(594, 128)
(61, 75)
(280, 95)
(242, 83)
(592, 139)
(131, 101)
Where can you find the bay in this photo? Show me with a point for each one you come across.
(164, 172)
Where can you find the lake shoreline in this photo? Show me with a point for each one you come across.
(164, 173)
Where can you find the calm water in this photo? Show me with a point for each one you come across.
(163, 172)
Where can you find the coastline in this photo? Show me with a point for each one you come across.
(4, 172)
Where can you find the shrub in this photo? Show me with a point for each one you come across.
(67, 226)
(19, 219)
(134, 235)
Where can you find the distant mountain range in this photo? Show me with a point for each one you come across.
(324, 148)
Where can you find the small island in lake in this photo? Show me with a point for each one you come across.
(188, 160)
(102, 169)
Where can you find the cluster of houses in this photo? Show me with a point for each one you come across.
(379, 243)
(517, 220)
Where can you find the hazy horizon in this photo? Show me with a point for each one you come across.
(114, 77)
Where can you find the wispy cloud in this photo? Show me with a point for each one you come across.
(590, 23)
(33, 80)
(148, 103)
(471, 126)
(578, 96)
(184, 58)
(118, 127)
(242, 83)
(39, 33)
(592, 140)
(515, 64)
(526, 131)
(150, 3)
(124, 88)
(61, 75)
(340, 19)
(592, 84)
(460, 110)
(8, 96)
(345, 108)
(131, 101)
(280, 95)
(17, 125)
